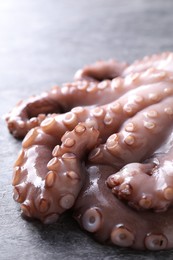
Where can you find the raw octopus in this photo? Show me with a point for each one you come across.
(103, 146)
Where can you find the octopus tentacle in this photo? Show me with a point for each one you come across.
(108, 118)
(137, 137)
(102, 145)
(30, 113)
(101, 70)
(40, 181)
(163, 61)
(111, 221)
(111, 69)
(48, 136)
(114, 89)
(155, 175)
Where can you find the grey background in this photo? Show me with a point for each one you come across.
(43, 43)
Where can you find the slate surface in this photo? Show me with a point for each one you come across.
(42, 43)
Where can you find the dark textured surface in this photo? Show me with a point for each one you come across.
(42, 43)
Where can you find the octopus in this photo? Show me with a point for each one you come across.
(103, 147)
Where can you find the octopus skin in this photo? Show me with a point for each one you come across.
(44, 147)
(91, 144)
(113, 68)
(155, 174)
(101, 70)
(85, 91)
(112, 222)
(138, 137)
(30, 113)
(47, 187)
(163, 61)
(145, 136)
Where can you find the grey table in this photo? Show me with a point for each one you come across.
(43, 43)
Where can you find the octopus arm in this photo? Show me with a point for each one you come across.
(111, 68)
(152, 139)
(156, 191)
(101, 70)
(149, 109)
(163, 61)
(102, 145)
(45, 186)
(111, 221)
(30, 113)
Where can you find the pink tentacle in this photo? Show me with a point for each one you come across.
(47, 187)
